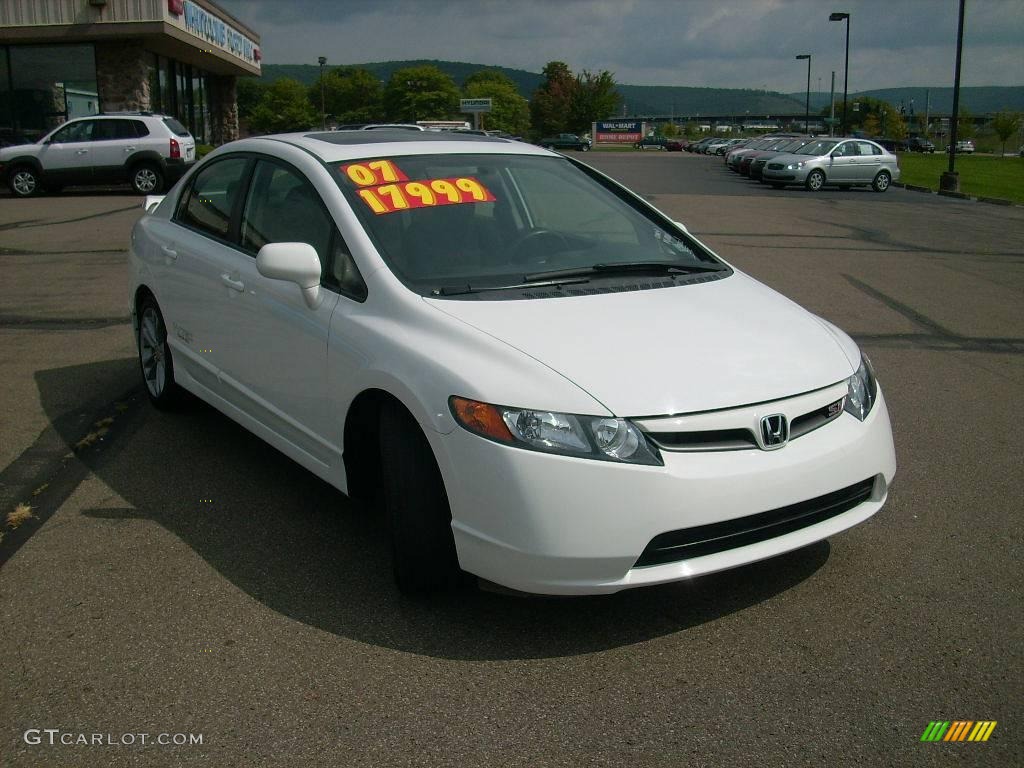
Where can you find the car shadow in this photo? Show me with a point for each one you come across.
(304, 550)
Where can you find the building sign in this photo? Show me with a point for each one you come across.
(212, 30)
(618, 132)
(474, 105)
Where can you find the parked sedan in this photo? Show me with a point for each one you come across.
(489, 333)
(839, 162)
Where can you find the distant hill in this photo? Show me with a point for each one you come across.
(688, 102)
(978, 100)
(526, 82)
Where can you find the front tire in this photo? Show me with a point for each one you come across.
(815, 181)
(881, 181)
(147, 179)
(24, 182)
(416, 507)
(155, 356)
(585, 148)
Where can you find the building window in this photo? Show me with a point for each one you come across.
(49, 84)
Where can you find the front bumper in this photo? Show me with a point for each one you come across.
(549, 524)
(795, 176)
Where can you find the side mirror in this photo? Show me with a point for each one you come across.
(295, 262)
(682, 226)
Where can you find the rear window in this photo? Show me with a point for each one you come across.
(175, 126)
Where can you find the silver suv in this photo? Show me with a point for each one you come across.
(146, 150)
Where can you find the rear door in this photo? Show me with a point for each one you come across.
(114, 141)
(869, 162)
(194, 292)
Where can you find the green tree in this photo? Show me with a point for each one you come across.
(351, 95)
(420, 93)
(593, 98)
(283, 107)
(965, 125)
(250, 90)
(872, 126)
(552, 101)
(510, 112)
(1005, 124)
(669, 130)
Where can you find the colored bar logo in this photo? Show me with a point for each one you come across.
(958, 730)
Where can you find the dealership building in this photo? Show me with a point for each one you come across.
(61, 59)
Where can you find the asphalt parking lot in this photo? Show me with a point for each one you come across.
(179, 576)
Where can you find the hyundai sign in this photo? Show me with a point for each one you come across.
(618, 132)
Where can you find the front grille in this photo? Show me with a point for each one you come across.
(701, 540)
(742, 439)
(776, 166)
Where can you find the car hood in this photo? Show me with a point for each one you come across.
(688, 348)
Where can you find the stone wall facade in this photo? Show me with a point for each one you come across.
(223, 99)
(123, 70)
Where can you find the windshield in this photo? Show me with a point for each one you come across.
(816, 148)
(489, 220)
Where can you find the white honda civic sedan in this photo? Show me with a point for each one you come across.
(555, 387)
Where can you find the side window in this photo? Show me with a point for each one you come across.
(867, 148)
(108, 130)
(80, 131)
(140, 128)
(211, 197)
(283, 207)
(125, 129)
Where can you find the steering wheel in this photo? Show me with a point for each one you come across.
(523, 248)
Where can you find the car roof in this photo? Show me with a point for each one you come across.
(332, 146)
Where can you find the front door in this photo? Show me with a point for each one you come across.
(273, 346)
(843, 166)
(66, 157)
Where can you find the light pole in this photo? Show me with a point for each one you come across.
(846, 68)
(323, 111)
(807, 104)
(950, 181)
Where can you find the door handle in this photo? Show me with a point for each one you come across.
(170, 253)
(82, 152)
(129, 149)
(230, 282)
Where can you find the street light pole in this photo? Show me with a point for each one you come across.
(846, 69)
(807, 104)
(323, 110)
(949, 180)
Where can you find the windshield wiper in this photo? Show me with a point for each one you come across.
(625, 267)
(459, 290)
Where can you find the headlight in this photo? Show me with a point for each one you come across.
(861, 390)
(586, 437)
(794, 166)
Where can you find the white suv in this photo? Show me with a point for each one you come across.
(141, 148)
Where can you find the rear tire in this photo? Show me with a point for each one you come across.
(416, 507)
(815, 181)
(147, 179)
(155, 357)
(585, 148)
(881, 181)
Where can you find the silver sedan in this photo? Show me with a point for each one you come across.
(838, 162)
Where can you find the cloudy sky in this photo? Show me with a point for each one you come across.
(715, 43)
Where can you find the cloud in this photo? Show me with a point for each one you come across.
(719, 43)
